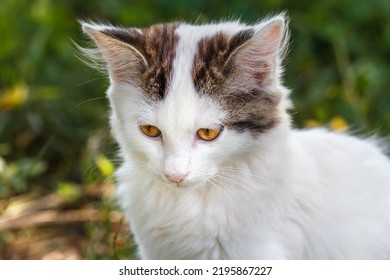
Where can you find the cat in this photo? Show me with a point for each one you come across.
(212, 168)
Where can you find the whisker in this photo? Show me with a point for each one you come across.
(89, 81)
(236, 180)
(92, 99)
(229, 185)
(249, 174)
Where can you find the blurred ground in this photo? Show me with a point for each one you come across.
(55, 227)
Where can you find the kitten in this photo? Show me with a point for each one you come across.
(211, 167)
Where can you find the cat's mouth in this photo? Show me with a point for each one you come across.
(185, 183)
(180, 185)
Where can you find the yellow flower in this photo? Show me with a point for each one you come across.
(311, 123)
(105, 166)
(338, 124)
(13, 97)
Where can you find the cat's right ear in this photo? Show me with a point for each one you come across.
(120, 49)
(259, 59)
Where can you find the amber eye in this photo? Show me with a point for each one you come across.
(150, 130)
(208, 134)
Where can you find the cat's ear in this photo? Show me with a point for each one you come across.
(260, 57)
(120, 49)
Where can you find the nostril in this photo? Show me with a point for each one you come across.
(175, 178)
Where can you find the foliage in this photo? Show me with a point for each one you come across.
(53, 113)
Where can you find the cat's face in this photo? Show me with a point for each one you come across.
(180, 140)
(188, 99)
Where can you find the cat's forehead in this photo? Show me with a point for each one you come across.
(200, 52)
(204, 47)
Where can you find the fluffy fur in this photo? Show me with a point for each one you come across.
(261, 190)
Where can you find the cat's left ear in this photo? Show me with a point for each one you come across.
(260, 57)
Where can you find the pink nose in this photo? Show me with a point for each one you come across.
(175, 178)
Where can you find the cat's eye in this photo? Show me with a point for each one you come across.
(209, 134)
(150, 130)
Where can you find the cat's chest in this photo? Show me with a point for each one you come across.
(206, 236)
(191, 226)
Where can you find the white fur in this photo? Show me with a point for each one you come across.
(285, 194)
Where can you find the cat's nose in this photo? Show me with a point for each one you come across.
(176, 177)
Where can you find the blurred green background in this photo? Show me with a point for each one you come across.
(56, 153)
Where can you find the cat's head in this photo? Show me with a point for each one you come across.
(187, 100)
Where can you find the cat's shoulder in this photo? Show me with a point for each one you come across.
(326, 141)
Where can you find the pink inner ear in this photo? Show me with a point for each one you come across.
(266, 43)
(257, 60)
(275, 31)
(273, 36)
(122, 61)
(254, 67)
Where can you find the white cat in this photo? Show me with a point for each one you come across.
(211, 168)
